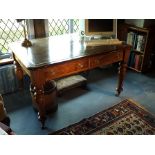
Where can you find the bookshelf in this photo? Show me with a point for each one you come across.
(137, 38)
(142, 42)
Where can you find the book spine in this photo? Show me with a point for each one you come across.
(137, 61)
(132, 59)
(140, 62)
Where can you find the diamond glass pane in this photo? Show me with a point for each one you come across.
(61, 26)
(58, 27)
(10, 31)
(75, 25)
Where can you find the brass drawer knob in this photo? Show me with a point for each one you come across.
(80, 65)
(97, 61)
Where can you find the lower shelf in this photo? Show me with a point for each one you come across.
(135, 69)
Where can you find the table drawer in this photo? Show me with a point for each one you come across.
(66, 68)
(106, 59)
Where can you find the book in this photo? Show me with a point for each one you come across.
(137, 61)
(130, 37)
(140, 43)
(132, 59)
(140, 62)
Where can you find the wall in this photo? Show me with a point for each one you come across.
(144, 23)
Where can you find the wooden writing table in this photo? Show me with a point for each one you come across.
(59, 56)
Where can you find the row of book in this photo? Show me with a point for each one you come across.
(135, 60)
(137, 41)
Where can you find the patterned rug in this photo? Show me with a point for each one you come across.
(125, 118)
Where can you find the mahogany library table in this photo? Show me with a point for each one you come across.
(59, 56)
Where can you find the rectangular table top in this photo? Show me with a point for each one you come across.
(55, 49)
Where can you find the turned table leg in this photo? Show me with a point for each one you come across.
(121, 75)
(122, 70)
(37, 94)
(38, 103)
(44, 99)
(46, 103)
(41, 110)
